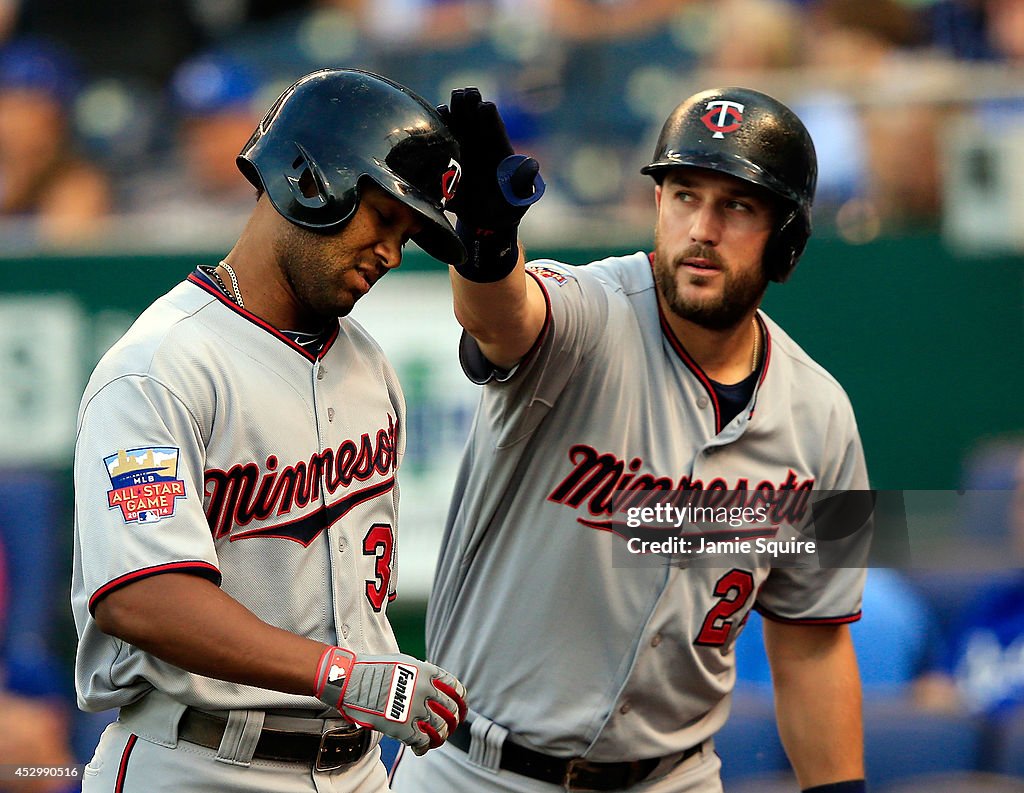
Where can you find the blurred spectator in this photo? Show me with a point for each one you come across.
(747, 38)
(607, 19)
(438, 24)
(142, 41)
(878, 140)
(33, 730)
(983, 669)
(198, 192)
(215, 96)
(8, 17)
(54, 193)
(1005, 29)
(957, 27)
(895, 639)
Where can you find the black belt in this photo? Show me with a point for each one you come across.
(571, 773)
(325, 751)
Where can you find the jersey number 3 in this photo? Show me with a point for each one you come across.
(733, 590)
(379, 542)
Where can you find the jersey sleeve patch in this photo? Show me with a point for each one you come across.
(144, 483)
(195, 567)
(550, 274)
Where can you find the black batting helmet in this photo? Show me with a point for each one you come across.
(334, 127)
(753, 137)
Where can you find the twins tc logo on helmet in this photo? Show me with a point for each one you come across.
(723, 116)
(450, 181)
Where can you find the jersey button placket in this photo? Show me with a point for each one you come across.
(342, 566)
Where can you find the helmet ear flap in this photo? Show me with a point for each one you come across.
(306, 182)
(785, 246)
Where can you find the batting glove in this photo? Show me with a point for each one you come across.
(414, 701)
(496, 188)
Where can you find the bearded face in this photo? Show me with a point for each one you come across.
(709, 246)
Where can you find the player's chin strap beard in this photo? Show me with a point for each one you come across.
(234, 293)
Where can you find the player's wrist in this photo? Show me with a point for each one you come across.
(332, 675)
(849, 786)
(492, 254)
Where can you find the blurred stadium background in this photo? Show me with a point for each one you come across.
(118, 129)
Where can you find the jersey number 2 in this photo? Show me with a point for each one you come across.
(380, 543)
(734, 590)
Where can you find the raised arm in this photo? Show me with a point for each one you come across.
(495, 301)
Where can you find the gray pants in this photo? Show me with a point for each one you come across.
(449, 770)
(141, 753)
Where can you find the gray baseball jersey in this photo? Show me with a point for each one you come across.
(211, 444)
(574, 655)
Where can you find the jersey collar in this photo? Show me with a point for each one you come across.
(199, 278)
(695, 368)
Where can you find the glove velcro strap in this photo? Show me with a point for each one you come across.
(491, 253)
(333, 674)
(520, 180)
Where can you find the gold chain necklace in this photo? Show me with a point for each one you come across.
(757, 345)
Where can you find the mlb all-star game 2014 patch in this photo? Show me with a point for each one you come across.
(145, 484)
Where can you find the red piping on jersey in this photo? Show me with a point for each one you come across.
(691, 364)
(122, 769)
(694, 367)
(548, 320)
(810, 620)
(204, 569)
(193, 278)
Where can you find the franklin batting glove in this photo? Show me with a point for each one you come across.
(496, 188)
(414, 701)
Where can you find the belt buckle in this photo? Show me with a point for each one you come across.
(332, 757)
(575, 767)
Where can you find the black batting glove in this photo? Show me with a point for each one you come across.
(496, 188)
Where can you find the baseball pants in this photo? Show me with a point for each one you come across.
(449, 770)
(126, 763)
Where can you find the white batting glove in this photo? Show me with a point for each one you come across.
(414, 701)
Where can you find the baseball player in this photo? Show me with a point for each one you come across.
(235, 475)
(652, 369)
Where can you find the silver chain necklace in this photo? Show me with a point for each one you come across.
(237, 296)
